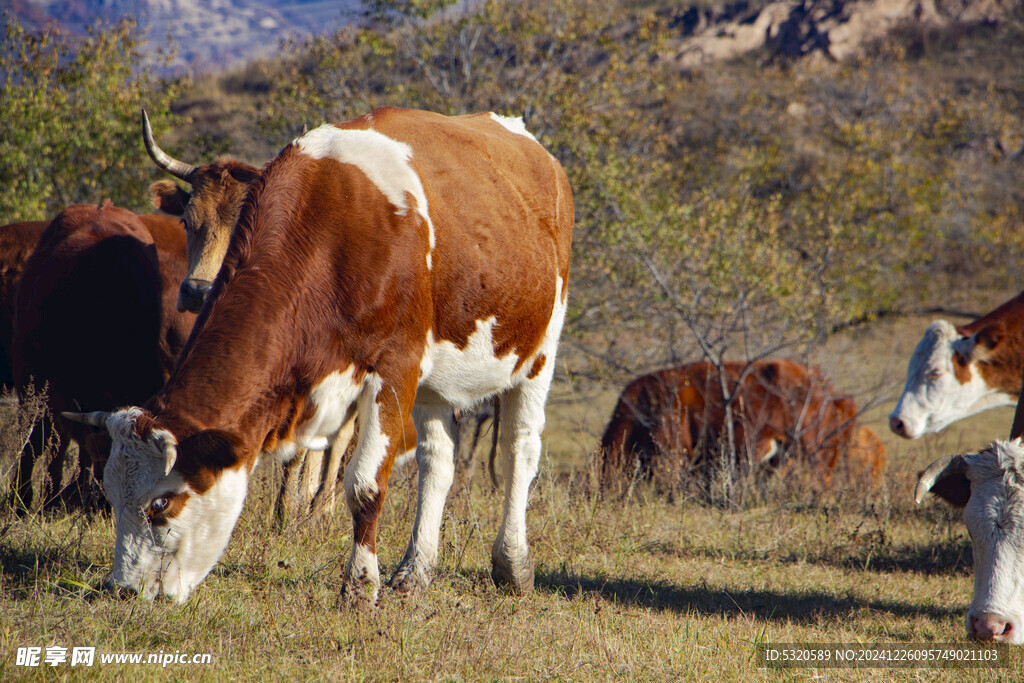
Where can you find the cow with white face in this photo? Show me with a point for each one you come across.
(401, 266)
(956, 372)
(989, 486)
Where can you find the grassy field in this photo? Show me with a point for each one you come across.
(638, 589)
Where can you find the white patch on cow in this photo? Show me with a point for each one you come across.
(363, 572)
(513, 124)
(332, 398)
(383, 160)
(203, 530)
(361, 474)
(168, 559)
(284, 452)
(465, 377)
(994, 515)
(933, 396)
(773, 448)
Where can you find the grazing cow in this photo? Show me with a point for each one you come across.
(401, 264)
(989, 486)
(669, 420)
(95, 320)
(956, 372)
(17, 241)
(209, 212)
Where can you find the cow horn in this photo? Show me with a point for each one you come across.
(949, 466)
(97, 419)
(176, 168)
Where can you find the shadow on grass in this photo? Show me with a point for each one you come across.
(56, 570)
(797, 606)
(944, 558)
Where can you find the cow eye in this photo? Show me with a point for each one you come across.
(934, 375)
(159, 505)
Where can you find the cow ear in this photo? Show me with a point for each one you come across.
(168, 447)
(169, 197)
(988, 337)
(946, 478)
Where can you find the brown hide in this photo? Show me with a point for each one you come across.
(95, 318)
(209, 212)
(17, 241)
(672, 419)
(323, 273)
(999, 351)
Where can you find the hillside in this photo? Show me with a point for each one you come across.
(208, 34)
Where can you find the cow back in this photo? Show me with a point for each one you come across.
(17, 241)
(91, 315)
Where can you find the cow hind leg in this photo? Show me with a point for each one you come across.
(435, 459)
(522, 420)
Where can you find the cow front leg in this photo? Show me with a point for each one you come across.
(385, 421)
(522, 420)
(435, 459)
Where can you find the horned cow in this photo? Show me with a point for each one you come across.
(989, 486)
(400, 265)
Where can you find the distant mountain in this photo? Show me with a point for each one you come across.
(206, 33)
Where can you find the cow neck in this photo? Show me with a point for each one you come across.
(1002, 368)
(1010, 313)
(249, 363)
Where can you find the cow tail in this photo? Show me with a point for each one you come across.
(495, 421)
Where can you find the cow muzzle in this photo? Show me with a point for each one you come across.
(111, 587)
(192, 294)
(990, 626)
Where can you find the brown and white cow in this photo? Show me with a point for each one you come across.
(956, 372)
(95, 319)
(989, 486)
(671, 419)
(209, 212)
(403, 263)
(17, 241)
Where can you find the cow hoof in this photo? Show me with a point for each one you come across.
(516, 577)
(408, 582)
(356, 596)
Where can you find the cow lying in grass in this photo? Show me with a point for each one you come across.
(989, 486)
(669, 421)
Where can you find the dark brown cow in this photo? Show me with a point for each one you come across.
(95, 320)
(668, 421)
(17, 241)
(399, 265)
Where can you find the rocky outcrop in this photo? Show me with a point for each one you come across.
(838, 28)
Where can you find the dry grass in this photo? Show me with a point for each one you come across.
(637, 589)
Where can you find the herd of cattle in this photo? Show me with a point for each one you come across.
(406, 268)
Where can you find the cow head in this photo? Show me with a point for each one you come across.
(174, 514)
(209, 212)
(943, 381)
(989, 486)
